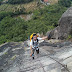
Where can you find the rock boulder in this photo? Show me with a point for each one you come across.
(65, 26)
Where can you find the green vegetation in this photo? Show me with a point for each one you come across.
(12, 29)
(17, 29)
(66, 3)
(69, 37)
(19, 1)
(1, 1)
(45, 19)
(4, 14)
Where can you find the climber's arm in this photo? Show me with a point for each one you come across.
(43, 38)
(31, 50)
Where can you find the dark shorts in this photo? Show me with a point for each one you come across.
(37, 50)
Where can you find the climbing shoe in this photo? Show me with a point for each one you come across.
(33, 56)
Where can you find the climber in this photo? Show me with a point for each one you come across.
(34, 43)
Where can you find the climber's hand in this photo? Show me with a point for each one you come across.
(49, 37)
(31, 54)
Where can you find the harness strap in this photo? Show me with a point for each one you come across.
(33, 41)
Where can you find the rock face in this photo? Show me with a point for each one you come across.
(65, 26)
(52, 58)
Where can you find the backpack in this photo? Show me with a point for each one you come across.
(31, 36)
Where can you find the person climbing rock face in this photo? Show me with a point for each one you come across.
(34, 43)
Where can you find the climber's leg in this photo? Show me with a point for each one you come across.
(37, 50)
(33, 53)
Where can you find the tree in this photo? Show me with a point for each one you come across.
(66, 3)
(12, 29)
(18, 1)
(1, 1)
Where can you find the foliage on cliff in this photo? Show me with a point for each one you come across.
(17, 29)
